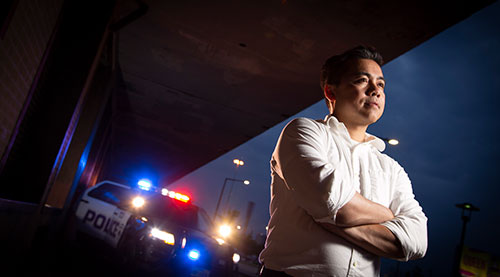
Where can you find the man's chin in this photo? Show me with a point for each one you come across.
(371, 119)
(374, 117)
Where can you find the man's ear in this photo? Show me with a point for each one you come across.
(329, 92)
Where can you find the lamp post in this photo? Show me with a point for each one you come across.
(465, 218)
(246, 182)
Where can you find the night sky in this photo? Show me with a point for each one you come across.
(442, 103)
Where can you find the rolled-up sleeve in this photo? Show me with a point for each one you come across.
(410, 223)
(303, 159)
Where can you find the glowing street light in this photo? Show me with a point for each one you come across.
(391, 141)
(238, 162)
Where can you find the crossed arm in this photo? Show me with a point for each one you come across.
(358, 222)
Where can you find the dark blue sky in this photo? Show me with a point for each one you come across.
(443, 100)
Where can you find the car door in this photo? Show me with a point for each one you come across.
(118, 219)
(94, 212)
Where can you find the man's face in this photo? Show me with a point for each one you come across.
(360, 97)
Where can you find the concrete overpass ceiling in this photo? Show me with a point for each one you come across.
(203, 77)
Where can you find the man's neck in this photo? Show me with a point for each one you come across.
(356, 132)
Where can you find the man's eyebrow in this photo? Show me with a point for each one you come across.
(369, 75)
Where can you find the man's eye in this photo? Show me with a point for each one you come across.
(362, 80)
(382, 85)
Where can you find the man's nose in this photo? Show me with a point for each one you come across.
(374, 90)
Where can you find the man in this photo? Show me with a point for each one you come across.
(337, 203)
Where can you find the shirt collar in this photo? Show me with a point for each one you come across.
(376, 142)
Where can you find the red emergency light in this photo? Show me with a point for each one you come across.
(175, 195)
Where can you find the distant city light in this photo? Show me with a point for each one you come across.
(238, 227)
(145, 184)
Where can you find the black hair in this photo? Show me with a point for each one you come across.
(335, 66)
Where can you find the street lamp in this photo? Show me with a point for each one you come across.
(238, 162)
(391, 141)
(246, 182)
(465, 218)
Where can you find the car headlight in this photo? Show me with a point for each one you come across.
(164, 236)
(236, 258)
(219, 240)
(224, 230)
(138, 202)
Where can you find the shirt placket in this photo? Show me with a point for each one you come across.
(355, 163)
(366, 185)
(354, 264)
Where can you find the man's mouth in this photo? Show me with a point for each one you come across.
(372, 104)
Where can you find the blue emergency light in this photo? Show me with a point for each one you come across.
(145, 184)
(194, 255)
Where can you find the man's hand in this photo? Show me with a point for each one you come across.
(361, 211)
(374, 238)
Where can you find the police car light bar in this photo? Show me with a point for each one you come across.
(144, 184)
(175, 195)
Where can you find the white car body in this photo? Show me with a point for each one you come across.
(99, 214)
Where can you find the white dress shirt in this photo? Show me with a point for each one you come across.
(316, 168)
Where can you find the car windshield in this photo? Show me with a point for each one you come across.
(166, 208)
(204, 222)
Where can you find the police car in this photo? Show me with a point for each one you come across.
(159, 230)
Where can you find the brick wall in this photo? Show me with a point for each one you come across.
(21, 51)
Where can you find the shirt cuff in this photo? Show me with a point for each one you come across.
(392, 226)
